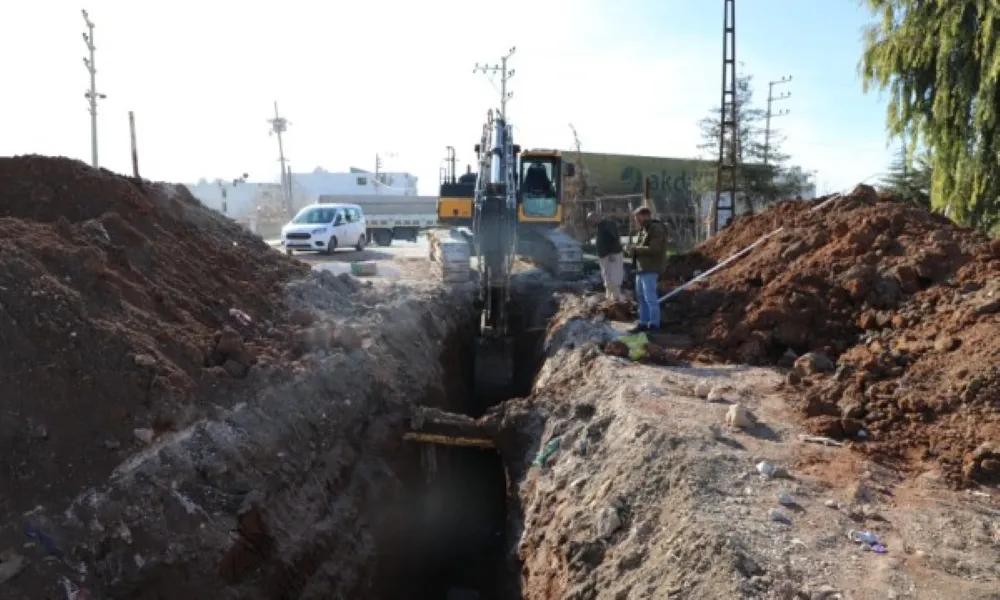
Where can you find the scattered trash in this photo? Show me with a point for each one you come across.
(48, 543)
(766, 469)
(74, 592)
(11, 565)
(818, 439)
(785, 499)
(865, 537)
(832, 504)
(547, 452)
(582, 447)
(868, 541)
(779, 517)
(636, 345)
(241, 317)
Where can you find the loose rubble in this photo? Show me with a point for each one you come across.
(178, 396)
(667, 501)
(888, 315)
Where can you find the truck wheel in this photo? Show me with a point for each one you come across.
(382, 237)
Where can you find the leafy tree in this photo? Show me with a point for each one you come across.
(910, 178)
(759, 183)
(940, 62)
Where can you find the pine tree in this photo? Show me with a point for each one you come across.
(940, 62)
(909, 179)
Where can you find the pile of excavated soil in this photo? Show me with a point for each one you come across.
(126, 309)
(903, 302)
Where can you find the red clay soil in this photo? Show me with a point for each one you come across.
(905, 304)
(115, 298)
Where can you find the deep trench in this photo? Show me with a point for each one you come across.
(449, 536)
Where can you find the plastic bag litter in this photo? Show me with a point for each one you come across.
(636, 345)
(547, 452)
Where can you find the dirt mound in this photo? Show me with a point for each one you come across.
(121, 303)
(903, 302)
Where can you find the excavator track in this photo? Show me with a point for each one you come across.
(565, 255)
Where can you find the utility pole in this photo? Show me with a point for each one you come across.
(135, 149)
(92, 96)
(378, 168)
(771, 98)
(279, 125)
(728, 162)
(505, 76)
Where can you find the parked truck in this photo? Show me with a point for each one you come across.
(393, 217)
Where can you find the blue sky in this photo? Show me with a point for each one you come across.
(395, 77)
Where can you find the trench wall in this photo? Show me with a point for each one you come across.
(277, 498)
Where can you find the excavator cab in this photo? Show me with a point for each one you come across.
(541, 187)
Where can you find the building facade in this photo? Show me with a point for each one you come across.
(244, 200)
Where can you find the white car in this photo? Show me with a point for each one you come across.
(324, 228)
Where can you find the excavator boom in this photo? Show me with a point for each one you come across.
(494, 233)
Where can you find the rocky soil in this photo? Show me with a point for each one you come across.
(631, 484)
(186, 412)
(897, 309)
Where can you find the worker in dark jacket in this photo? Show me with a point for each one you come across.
(650, 252)
(609, 255)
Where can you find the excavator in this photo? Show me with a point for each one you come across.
(540, 209)
(507, 208)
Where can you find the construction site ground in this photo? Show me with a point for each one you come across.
(187, 413)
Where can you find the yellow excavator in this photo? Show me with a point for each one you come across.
(539, 180)
(509, 207)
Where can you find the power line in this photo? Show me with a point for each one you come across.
(91, 95)
(771, 99)
(505, 76)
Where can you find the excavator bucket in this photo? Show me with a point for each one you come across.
(494, 365)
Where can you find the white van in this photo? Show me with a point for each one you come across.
(324, 228)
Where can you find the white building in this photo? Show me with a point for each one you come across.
(240, 200)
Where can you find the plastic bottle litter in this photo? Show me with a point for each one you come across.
(766, 469)
(863, 537)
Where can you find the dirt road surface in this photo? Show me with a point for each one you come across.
(399, 262)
